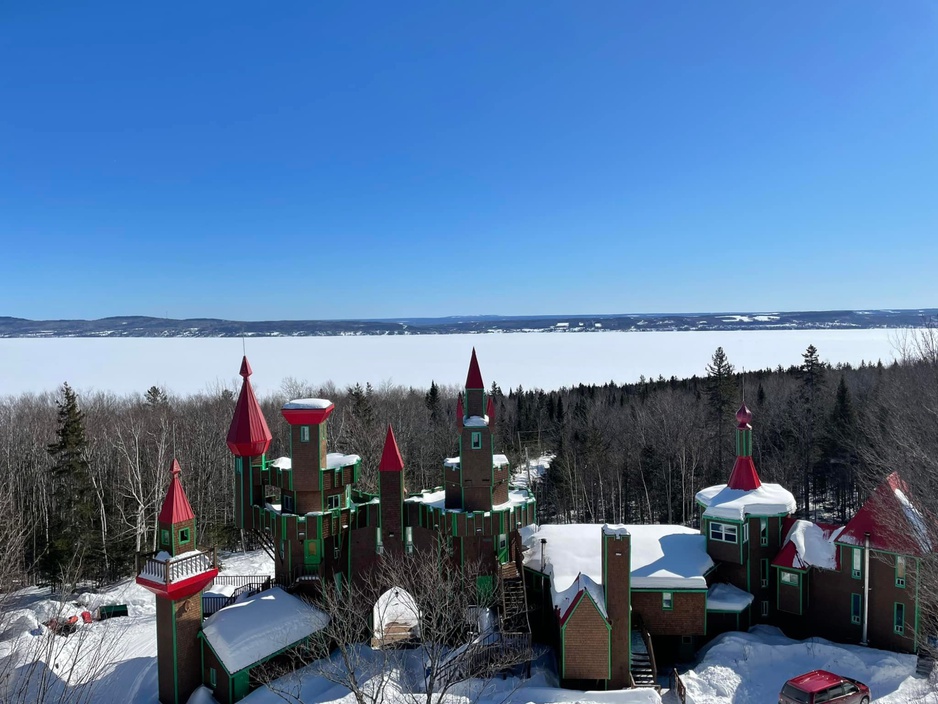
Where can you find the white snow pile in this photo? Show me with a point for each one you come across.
(662, 557)
(396, 605)
(335, 460)
(251, 630)
(735, 504)
(752, 667)
(533, 472)
(919, 526)
(812, 546)
(307, 404)
(726, 597)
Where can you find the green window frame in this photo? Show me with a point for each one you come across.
(764, 572)
(667, 601)
(900, 571)
(765, 609)
(790, 578)
(184, 536)
(763, 532)
(856, 563)
(165, 537)
(856, 608)
(477, 440)
(304, 433)
(286, 504)
(724, 532)
(212, 677)
(898, 618)
(333, 501)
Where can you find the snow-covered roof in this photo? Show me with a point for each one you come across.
(735, 504)
(437, 499)
(307, 404)
(497, 461)
(809, 545)
(334, 460)
(254, 629)
(282, 463)
(475, 421)
(726, 597)
(662, 557)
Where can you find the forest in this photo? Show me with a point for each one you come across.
(83, 476)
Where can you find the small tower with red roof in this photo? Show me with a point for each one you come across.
(744, 476)
(248, 439)
(177, 573)
(391, 488)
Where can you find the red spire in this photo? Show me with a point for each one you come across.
(460, 411)
(490, 411)
(744, 476)
(248, 435)
(176, 508)
(391, 460)
(743, 416)
(474, 378)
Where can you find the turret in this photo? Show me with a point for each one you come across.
(391, 487)
(744, 476)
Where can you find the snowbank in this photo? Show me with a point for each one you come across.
(735, 504)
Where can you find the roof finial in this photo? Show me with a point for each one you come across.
(743, 416)
(175, 469)
(245, 367)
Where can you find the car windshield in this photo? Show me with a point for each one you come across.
(795, 694)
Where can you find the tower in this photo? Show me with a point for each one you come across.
(479, 482)
(391, 488)
(744, 476)
(248, 439)
(177, 574)
(617, 572)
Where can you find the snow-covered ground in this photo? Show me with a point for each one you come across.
(750, 668)
(545, 360)
(119, 657)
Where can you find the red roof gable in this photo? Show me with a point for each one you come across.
(744, 476)
(248, 435)
(176, 508)
(474, 378)
(391, 460)
(893, 523)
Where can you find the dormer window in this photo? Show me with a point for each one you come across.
(724, 532)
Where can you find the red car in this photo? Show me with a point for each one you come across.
(822, 686)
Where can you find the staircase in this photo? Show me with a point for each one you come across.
(925, 664)
(642, 666)
(514, 601)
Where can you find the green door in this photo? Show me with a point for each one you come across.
(240, 685)
(502, 548)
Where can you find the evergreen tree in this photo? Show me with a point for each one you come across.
(432, 401)
(812, 380)
(837, 447)
(720, 392)
(73, 530)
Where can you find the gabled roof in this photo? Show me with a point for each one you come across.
(893, 523)
(808, 545)
(391, 460)
(474, 377)
(248, 435)
(176, 508)
(744, 476)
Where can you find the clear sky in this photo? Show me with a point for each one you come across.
(378, 159)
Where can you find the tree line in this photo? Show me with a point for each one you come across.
(83, 476)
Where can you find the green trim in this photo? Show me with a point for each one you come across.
(905, 570)
(764, 573)
(172, 606)
(898, 629)
(856, 617)
(667, 604)
(917, 608)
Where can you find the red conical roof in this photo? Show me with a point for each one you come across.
(744, 476)
(248, 435)
(391, 460)
(893, 522)
(176, 508)
(490, 411)
(460, 411)
(474, 378)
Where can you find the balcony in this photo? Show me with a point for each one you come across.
(176, 576)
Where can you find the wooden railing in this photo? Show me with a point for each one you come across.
(677, 686)
(175, 570)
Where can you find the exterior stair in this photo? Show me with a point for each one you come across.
(642, 666)
(925, 664)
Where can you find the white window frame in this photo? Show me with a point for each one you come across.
(720, 531)
(900, 571)
(333, 498)
(856, 562)
(763, 531)
(667, 601)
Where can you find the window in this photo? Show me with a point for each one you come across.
(379, 545)
(283, 549)
(763, 532)
(312, 548)
(764, 573)
(856, 608)
(790, 578)
(857, 562)
(408, 539)
(850, 688)
(212, 677)
(765, 608)
(304, 433)
(723, 532)
(667, 601)
(164, 537)
(745, 532)
(898, 618)
(333, 501)
(476, 441)
(900, 571)
(287, 502)
(183, 535)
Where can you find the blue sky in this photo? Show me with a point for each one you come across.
(377, 159)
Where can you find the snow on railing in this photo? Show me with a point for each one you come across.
(166, 569)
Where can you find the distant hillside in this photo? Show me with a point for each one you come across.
(142, 326)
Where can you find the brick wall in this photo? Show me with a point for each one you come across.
(686, 618)
(585, 644)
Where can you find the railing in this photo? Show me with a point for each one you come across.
(639, 624)
(237, 580)
(677, 686)
(175, 570)
(212, 604)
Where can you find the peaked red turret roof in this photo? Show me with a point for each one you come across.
(248, 435)
(744, 476)
(490, 412)
(474, 377)
(391, 460)
(460, 411)
(893, 522)
(176, 508)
